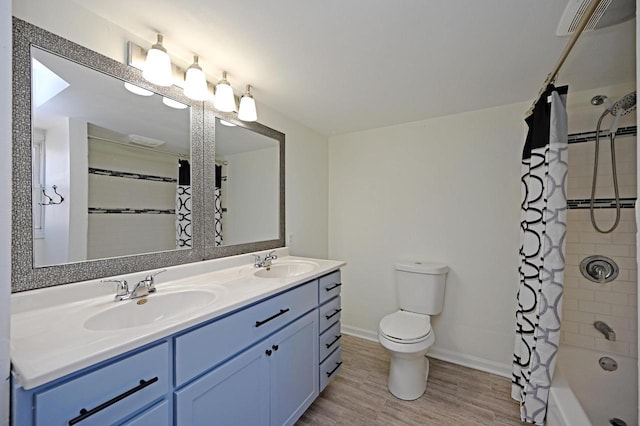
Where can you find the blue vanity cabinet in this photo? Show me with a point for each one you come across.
(329, 312)
(110, 393)
(271, 383)
(257, 365)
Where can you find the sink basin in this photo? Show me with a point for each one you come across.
(149, 310)
(286, 269)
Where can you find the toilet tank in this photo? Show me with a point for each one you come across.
(420, 286)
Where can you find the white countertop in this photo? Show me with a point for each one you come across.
(49, 341)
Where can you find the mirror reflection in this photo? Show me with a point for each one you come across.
(110, 167)
(247, 185)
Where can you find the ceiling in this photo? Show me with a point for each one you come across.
(340, 66)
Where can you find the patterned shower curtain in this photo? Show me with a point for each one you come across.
(217, 212)
(183, 205)
(542, 248)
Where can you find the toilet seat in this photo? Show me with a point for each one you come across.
(405, 327)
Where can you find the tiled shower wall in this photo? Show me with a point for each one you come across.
(585, 302)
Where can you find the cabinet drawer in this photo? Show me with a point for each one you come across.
(330, 286)
(108, 393)
(157, 415)
(330, 340)
(205, 347)
(329, 313)
(329, 368)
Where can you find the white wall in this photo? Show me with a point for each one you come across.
(5, 211)
(251, 198)
(306, 181)
(306, 151)
(445, 189)
(56, 217)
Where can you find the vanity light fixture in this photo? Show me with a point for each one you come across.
(137, 89)
(195, 82)
(224, 99)
(247, 111)
(157, 66)
(173, 104)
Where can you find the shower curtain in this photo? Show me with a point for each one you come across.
(542, 248)
(217, 212)
(183, 205)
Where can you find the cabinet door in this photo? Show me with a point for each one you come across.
(236, 393)
(294, 372)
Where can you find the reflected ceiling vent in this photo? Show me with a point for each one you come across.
(608, 13)
(144, 141)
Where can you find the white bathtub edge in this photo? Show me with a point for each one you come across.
(564, 409)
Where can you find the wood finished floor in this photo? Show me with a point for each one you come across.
(455, 395)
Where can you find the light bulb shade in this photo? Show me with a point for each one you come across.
(137, 89)
(173, 104)
(195, 82)
(247, 111)
(224, 99)
(157, 66)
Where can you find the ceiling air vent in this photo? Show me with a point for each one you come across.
(608, 12)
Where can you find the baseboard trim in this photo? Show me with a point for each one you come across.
(465, 360)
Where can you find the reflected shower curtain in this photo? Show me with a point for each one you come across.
(542, 248)
(183, 205)
(217, 206)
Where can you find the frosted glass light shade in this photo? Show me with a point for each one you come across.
(224, 100)
(247, 111)
(173, 104)
(137, 89)
(195, 82)
(157, 66)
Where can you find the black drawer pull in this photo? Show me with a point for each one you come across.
(329, 373)
(337, 311)
(328, 345)
(282, 311)
(84, 413)
(333, 286)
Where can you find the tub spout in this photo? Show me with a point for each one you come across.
(607, 331)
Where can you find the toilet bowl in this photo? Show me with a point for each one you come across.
(407, 333)
(407, 336)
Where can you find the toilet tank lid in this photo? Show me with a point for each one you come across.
(421, 267)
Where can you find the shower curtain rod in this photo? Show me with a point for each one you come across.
(588, 13)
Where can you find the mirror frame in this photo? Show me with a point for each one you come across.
(211, 251)
(24, 275)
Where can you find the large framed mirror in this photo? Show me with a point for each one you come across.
(105, 181)
(245, 191)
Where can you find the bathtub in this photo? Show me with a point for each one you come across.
(583, 394)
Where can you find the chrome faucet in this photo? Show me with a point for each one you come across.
(266, 262)
(122, 291)
(142, 288)
(604, 328)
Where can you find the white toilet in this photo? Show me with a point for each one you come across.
(407, 333)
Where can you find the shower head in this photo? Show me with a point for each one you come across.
(624, 105)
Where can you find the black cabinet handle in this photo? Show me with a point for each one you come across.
(84, 413)
(337, 311)
(328, 345)
(275, 347)
(282, 312)
(329, 373)
(333, 286)
(268, 352)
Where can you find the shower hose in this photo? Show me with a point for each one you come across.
(612, 138)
